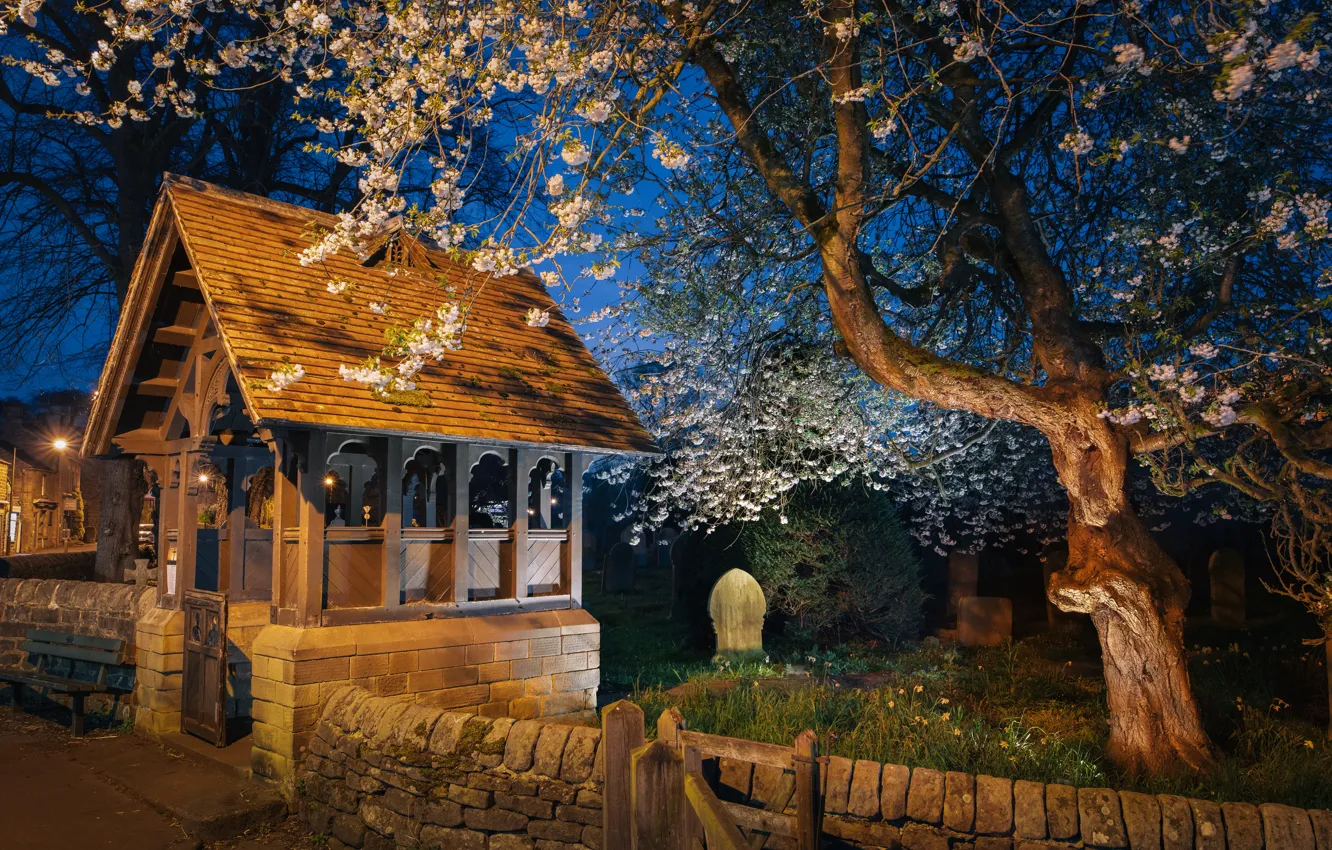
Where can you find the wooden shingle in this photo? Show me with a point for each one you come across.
(509, 383)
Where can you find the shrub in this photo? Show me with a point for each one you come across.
(839, 565)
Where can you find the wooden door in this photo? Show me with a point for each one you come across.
(204, 683)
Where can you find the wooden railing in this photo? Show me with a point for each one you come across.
(658, 796)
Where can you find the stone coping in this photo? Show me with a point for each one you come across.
(292, 644)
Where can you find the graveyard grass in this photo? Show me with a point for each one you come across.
(1032, 710)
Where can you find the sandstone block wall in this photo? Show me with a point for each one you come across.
(81, 607)
(385, 773)
(161, 658)
(521, 666)
(245, 620)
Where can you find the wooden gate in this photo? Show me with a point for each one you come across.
(204, 682)
(658, 796)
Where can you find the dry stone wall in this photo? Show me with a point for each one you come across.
(870, 805)
(385, 773)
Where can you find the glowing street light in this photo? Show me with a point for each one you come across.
(60, 444)
(203, 477)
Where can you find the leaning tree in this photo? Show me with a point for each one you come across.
(993, 208)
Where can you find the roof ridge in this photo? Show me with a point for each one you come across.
(171, 180)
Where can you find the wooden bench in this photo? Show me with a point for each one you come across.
(45, 647)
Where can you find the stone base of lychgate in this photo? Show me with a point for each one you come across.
(539, 664)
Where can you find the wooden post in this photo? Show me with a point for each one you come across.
(513, 583)
(572, 560)
(462, 491)
(187, 524)
(621, 734)
(286, 504)
(236, 522)
(392, 488)
(656, 788)
(310, 563)
(669, 724)
(809, 804)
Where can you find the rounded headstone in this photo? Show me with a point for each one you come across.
(737, 606)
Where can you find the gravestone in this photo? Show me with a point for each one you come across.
(984, 620)
(963, 578)
(142, 575)
(665, 539)
(737, 607)
(620, 572)
(1226, 569)
(640, 546)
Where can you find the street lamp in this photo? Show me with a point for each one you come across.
(60, 444)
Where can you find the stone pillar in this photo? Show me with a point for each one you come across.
(159, 659)
(1226, 569)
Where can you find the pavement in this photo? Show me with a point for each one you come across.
(117, 791)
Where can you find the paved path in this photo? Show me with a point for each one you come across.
(48, 800)
(111, 792)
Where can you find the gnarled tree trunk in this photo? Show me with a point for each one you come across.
(1136, 597)
(123, 487)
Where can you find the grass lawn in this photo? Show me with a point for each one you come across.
(1034, 710)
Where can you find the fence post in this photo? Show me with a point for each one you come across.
(809, 802)
(669, 725)
(621, 734)
(657, 788)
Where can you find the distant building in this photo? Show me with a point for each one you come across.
(43, 496)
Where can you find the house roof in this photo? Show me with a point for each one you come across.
(509, 383)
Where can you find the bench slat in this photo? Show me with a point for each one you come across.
(96, 656)
(57, 683)
(83, 641)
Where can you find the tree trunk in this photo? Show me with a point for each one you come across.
(1327, 647)
(123, 487)
(1136, 597)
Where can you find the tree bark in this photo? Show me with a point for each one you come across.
(1327, 665)
(123, 488)
(1136, 597)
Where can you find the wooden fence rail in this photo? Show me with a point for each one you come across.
(657, 795)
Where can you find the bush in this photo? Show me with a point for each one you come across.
(839, 566)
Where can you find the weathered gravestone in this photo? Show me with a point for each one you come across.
(620, 572)
(639, 542)
(984, 620)
(963, 578)
(142, 575)
(665, 539)
(1226, 569)
(737, 607)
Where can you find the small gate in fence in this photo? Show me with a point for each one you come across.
(658, 795)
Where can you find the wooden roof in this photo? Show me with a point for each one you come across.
(510, 383)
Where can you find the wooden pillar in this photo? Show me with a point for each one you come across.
(187, 522)
(514, 580)
(286, 516)
(391, 479)
(310, 560)
(462, 478)
(572, 556)
(240, 467)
